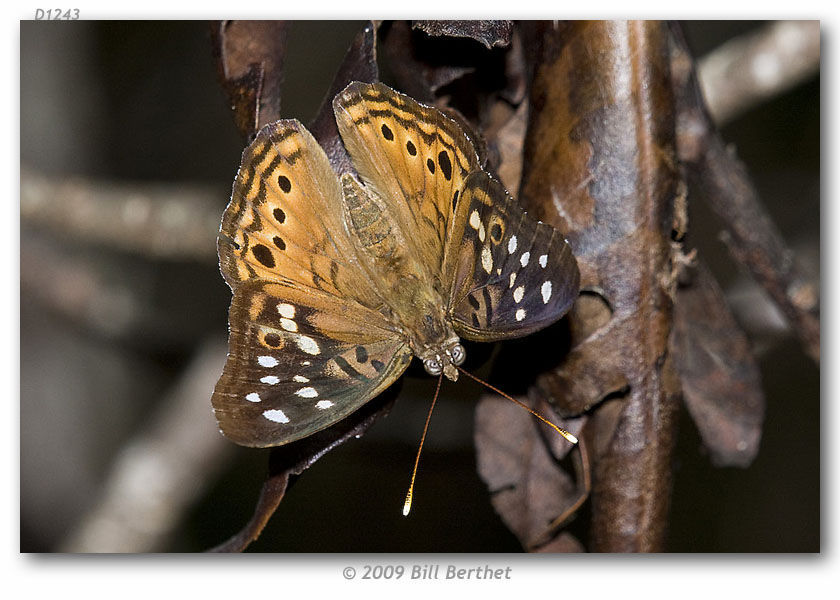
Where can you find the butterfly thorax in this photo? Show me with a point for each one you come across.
(420, 316)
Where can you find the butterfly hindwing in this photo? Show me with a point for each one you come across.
(412, 156)
(299, 361)
(510, 274)
(285, 218)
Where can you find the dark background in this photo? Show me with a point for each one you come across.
(140, 102)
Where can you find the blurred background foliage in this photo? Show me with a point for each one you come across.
(139, 103)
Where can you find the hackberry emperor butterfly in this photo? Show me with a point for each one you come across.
(337, 283)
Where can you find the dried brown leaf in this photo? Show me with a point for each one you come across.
(420, 71)
(720, 379)
(359, 64)
(489, 33)
(520, 464)
(249, 59)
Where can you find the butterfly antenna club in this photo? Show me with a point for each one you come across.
(562, 432)
(410, 495)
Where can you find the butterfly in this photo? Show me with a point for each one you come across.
(338, 280)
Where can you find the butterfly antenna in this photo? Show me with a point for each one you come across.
(562, 432)
(410, 494)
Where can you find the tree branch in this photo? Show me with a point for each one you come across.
(173, 221)
(750, 69)
(723, 180)
(160, 473)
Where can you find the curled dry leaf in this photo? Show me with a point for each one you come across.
(519, 462)
(359, 64)
(489, 33)
(249, 59)
(720, 379)
(419, 69)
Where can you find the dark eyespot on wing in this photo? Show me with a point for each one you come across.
(387, 133)
(445, 165)
(272, 339)
(496, 232)
(361, 354)
(284, 183)
(263, 255)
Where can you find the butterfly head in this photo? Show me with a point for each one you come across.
(445, 360)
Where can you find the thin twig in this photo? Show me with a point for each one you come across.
(158, 220)
(724, 182)
(752, 68)
(159, 474)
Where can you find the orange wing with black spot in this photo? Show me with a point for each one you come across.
(412, 156)
(285, 219)
(308, 343)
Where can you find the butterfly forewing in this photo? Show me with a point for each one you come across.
(299, 361)
(412, 156)
(510, 274)
(285, 219)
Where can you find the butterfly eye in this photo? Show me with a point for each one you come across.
(458, 354)
(433, 366)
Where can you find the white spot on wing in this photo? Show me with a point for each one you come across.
(518, 293)
(286, 310)
(475, 220)
(267, 361)
(481, 232)
(253, 397)
(512, 279)
(486, 259)
(301, 379)
(276, 415)
(308, 345)
(520, 314)
(307, 392)
(270, 379)
(324, 404)
(523, 260)
(512, 244)
(288, 324)
(546, 291)
(543, 260)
